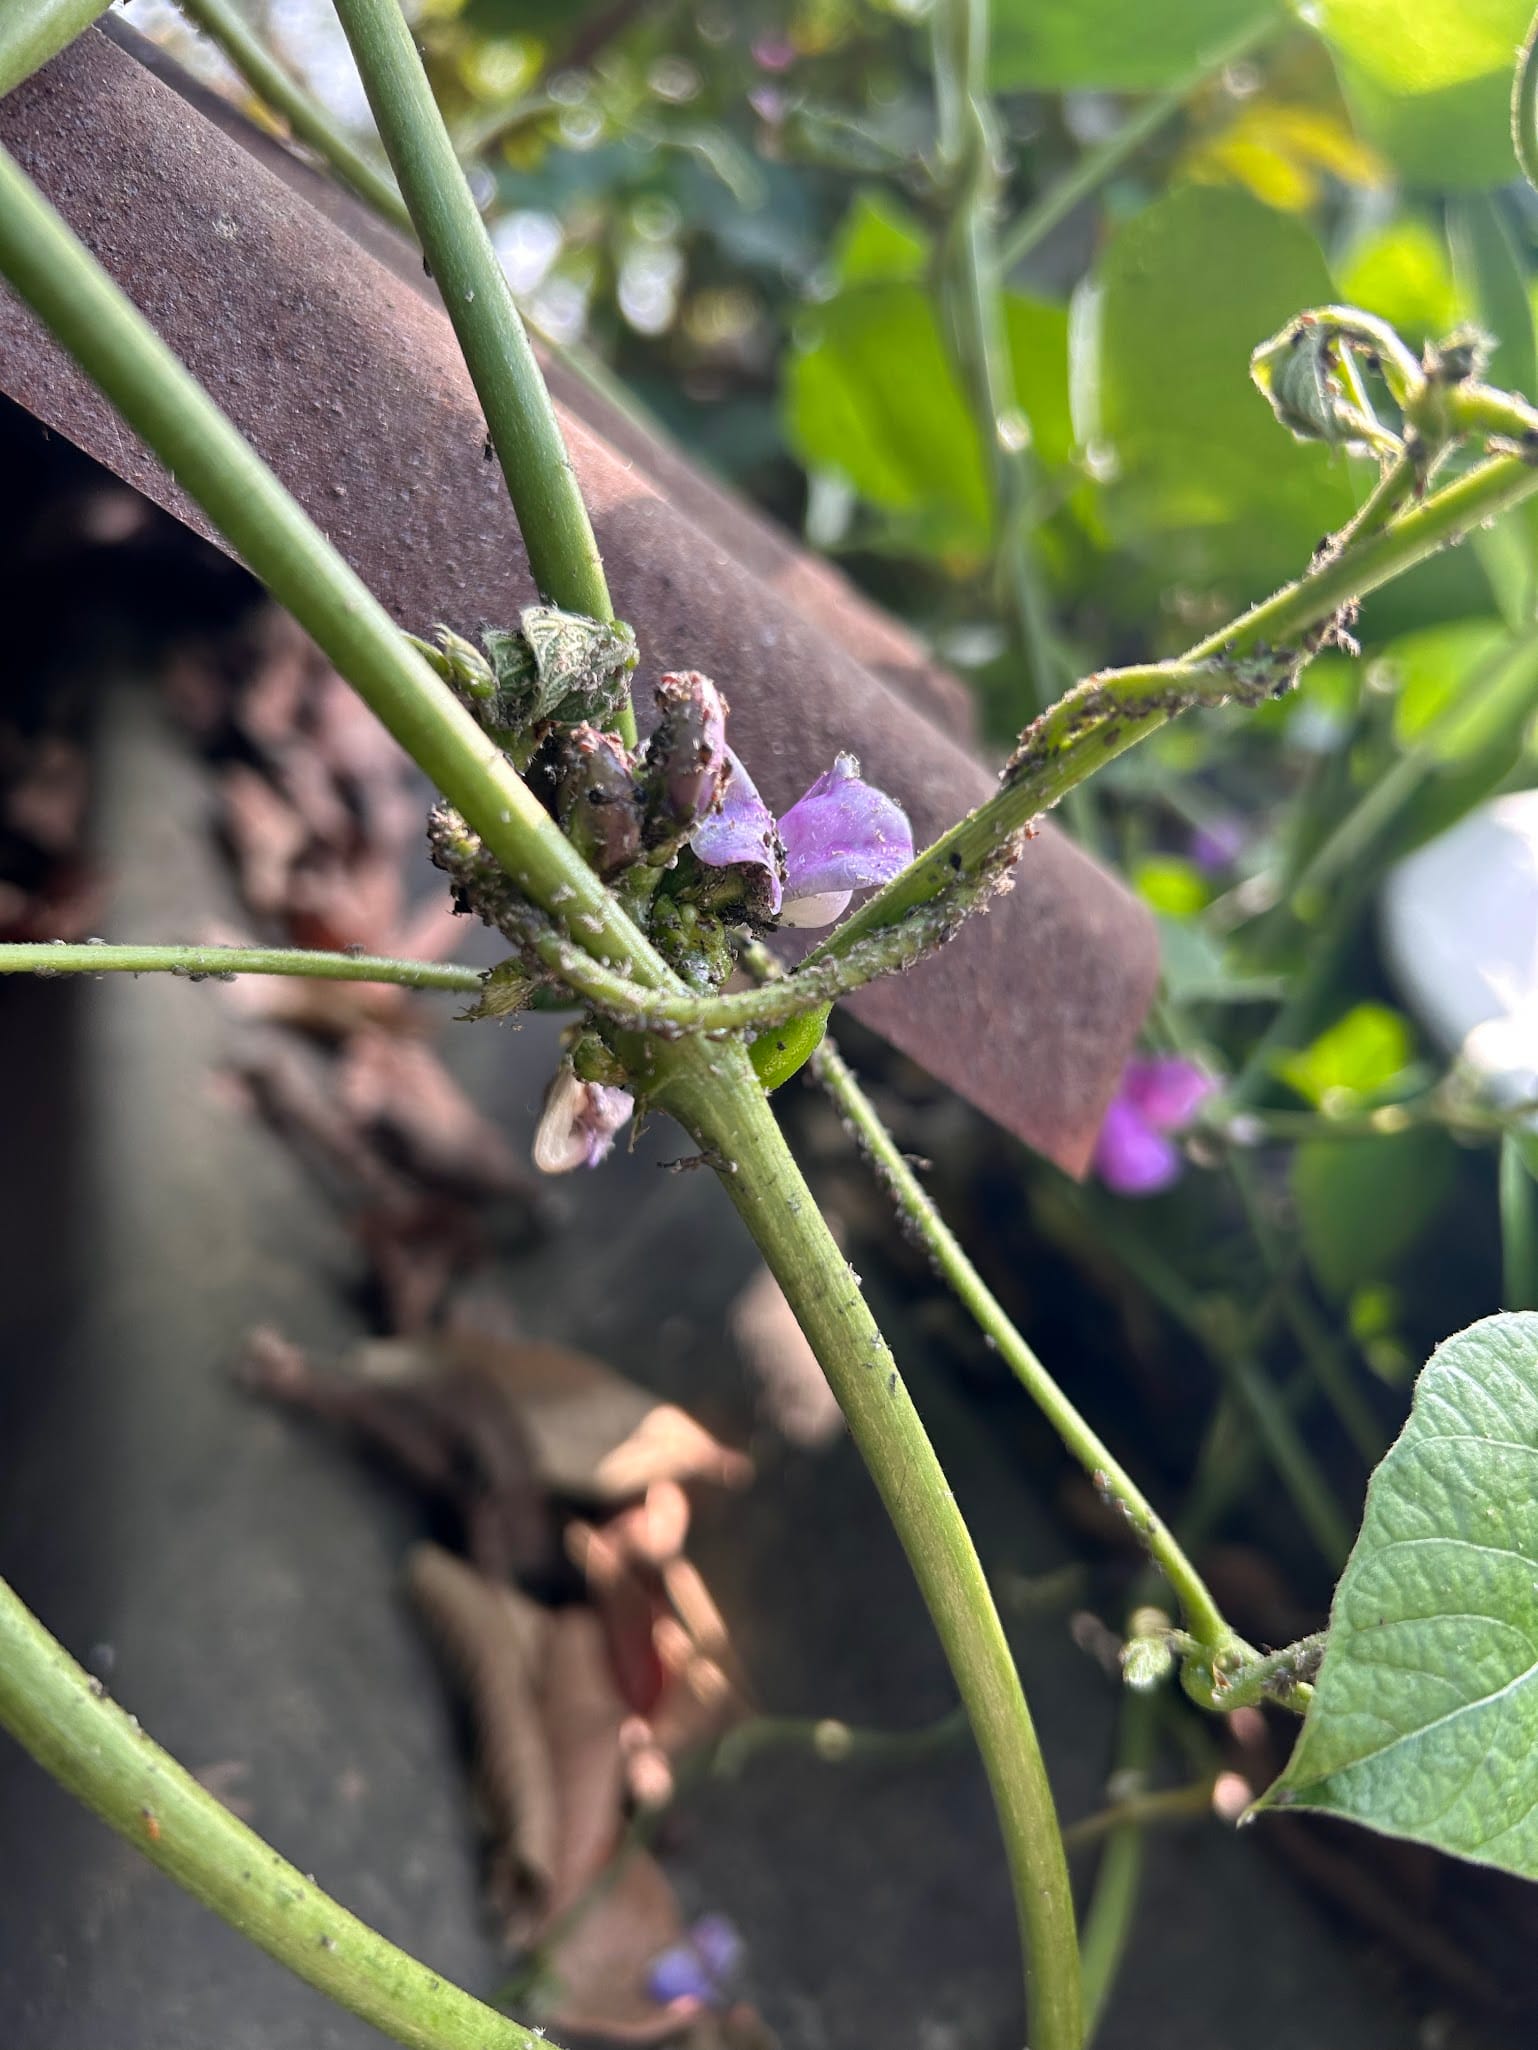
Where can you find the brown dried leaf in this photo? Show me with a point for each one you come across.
(497, 1642)
(583, 1719)
(793, 1389)
(399, 1089)
(595, 1436)
(266, 836)
(600, 1964)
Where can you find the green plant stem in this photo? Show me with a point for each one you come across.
(479, 301)
(96, 957)
(1140, 127)
(1436, 1110)
(746, 1010)
(32, 31)
(972, 309)
(1285, 1448)
(1190, 1803)
(1113, 1904)
(835, 1742)
(1108, 713)
(175, 417)
(1203, 1618)
(1519, 1228)
(99, 1754)
(1524, 107)
(1366, 825)
(308, 121)
(727, 1114)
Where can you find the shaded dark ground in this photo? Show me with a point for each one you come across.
(236, 1581)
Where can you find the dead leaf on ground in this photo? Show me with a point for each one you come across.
(595, 1436)
(583, 1718)
(497, 1642)
(793, 1388)
(399, 1089)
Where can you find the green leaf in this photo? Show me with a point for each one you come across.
(1202, 478)
(1363, 1203)
(1424, 1722)
(1430, 84)
(1170, 885)
(1464, 689)
(1360, 1053)
(870, 395)
(879, 242)
(1401, 273)
(1065, 44)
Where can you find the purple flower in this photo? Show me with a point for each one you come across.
(1135, 1154)
(579, 1122)
(701, 1967)
(843, 835)
(1216, 846)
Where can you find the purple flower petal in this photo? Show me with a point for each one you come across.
(740, 829)
(1167, 1090)
(716, 1939)
(843, 835)
(679, 1974)
(1216, 846)
(1131, 1158)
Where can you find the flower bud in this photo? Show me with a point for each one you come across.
(685, 764)
(579, 1123)
(596, 799)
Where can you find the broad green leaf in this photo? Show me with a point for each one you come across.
(1360, 1053)
(1464, 689)
(1424, 1722)
(1201, 477)
(1402, 274)
(879, 242)
(1364, 1203)
(1064, 44)
(870, 395)
(1431, 83)
(1170, 885)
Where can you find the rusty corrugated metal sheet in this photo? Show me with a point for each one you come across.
(349, 384)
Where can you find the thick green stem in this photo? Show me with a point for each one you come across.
(99, 1754)
(1141, 126)
(308, 121)
(1203, 1618)
(32, 31)
(712, 1092)
(164, 404)
(101, 957)
(479, 301)
(1106, 714)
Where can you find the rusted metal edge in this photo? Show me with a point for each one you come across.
(351, 388)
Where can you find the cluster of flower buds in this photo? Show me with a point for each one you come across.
(556, 669)
(682, 806)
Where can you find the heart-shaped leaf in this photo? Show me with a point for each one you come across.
(1424, 1723)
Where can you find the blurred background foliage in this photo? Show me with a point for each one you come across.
(744, 211)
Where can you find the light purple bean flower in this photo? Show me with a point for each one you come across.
(701, 1968)
(1216, 846)
(843, 835)
(1135, 1154)
(579, 1123)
